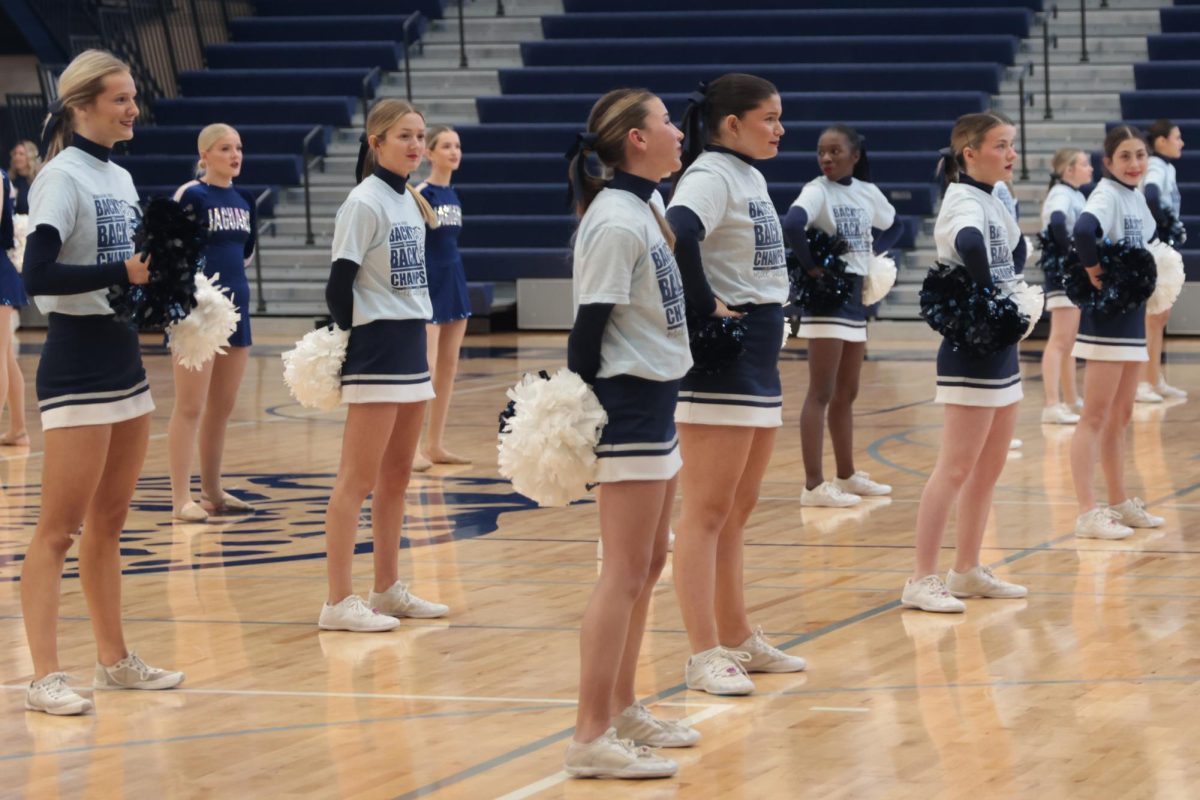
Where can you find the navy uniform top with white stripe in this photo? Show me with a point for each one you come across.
(970, 207)
(93, 205)
(622, 259)
(849, 210)
(742, 249)
(380, 228)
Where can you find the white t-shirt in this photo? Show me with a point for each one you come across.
(94, 207)
(622, 258)
(1162, 173)
(850, 212)
(1122, 213)
(1064, 198)
(742, 249)
(383, 231)
(966, 206)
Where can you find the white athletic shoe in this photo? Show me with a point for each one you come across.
(860, 484)
(982, 582)
(1015, 444)
(610, 757)
(1079, 403)
(53, 696)
(133, 673)
(1133, 514)
(719, 671)
(638, 725)
(764, 657)
(1167, 391)
(1059, 414)
(1146, 394)
(930, 594)
(1101, 523)
(399, 602)
(352, 614)
(828, 495)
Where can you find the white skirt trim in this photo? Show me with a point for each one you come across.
(96, 408)
(847, 330)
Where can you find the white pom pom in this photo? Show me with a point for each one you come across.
(20, 231)
(547, 448)
(204, 332)
(312, 369)
(1032, 302)
(1169, 283)
(787, 332)
(881, 277)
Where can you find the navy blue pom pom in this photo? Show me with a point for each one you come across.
(1171, 229)
(716, 343)
(1052, 259)
(831, 287)
(1129, 276)
(173, 237)
(974, 318)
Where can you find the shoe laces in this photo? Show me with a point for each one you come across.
(936, 585)
(133, 661)
(55, 685)
(359, 606)
(643, 714)
(759, 641)
(838, 492)
(987, 572)
(629, 746)
(720, 660)
(1110, 516)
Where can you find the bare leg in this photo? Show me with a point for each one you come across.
(191, 393)
(975, 500)
(824, 358)
(841, 407)
(1112, 437)
(1156, 325)
(444, 367)
(387, 501)
(1064, 323)
(227, 372)
(1101, 383)
(17, 431)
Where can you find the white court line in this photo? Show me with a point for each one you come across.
(561, 777)
(389, 696)
(842, 709)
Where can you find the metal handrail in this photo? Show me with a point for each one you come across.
(258, 275)
(409, 21)
(499, 8)
(1046, 41)
(1083, 54)
(308, 138)
(462, 36)
(1023, 100)
(367, 92)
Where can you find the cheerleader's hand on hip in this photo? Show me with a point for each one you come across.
(723, 310)
(138, 268)
(1094, 274)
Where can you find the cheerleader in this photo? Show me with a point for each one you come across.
(204, 398)
(1161, 190)
(447, 289)
(1071, 168)
(630, 343)
(12, 299)
(91, 387)
(23, 166)
(378, 291)
(843, 202)
(728, 238)
(1115, 347)
(974, 230)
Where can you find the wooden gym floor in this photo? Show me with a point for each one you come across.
(1086, 689)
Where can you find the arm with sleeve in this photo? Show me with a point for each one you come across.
(354, 233)
(689, 232)
(795, 226)
(973, 251)
(584, 342)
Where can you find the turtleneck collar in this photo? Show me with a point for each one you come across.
(1121, 183)
(986, 188)
(96, 151)
(1167, 159)
(399, 183)
(846, 181)
(641, 187)
(716, 148)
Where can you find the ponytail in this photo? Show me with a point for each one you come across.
(692, 125)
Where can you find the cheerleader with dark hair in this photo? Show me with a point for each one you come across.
(730, 248)
(1114, 345)
(842, 202)
(974, 231)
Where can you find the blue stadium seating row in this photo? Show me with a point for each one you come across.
(1167, 74)
(859, 22)
(433, 9)
(332, 110)
(303, 55)
(389, 28)
(256, 139)
(276, 82)
(584, 6)
(969, 76)
(262, 169)
(1173, 46)
(771, 50)
(156, 188)
(1180, 19)
(1152, 104)
(814, 105)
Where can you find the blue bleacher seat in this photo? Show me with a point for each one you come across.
(823, 22)
(278, 82)
(271, 170)
(1180, 20)
(303, 55)
(322, 29)
(434, 9)
(256, 139)
(976, 76)
(582, 6)
(1173, 46)
(1167, 74)
(335, 110)
(147, 191)
(1165, 103)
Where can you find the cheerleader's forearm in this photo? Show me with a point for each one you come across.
(689, 231)
(339, 292)
(43, 275)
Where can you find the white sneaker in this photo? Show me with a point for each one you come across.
(982, 582)
(638, 725)
(352, 614)
(1059, 414)
(52, 695)
(828, 495)
(1133, 514)
(133, 673)
(930, 594)
(764, 657)
(1079, 403)
(1146, 394)
(719, 671)
(860, 484)
(1015, 444)
(399, 602)
(1166, 390)
(1101, 523)
(610, 757)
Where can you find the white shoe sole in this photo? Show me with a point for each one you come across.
(73, 710)
(166, 682)
(1106, 537)
(417, 615)
(827, 503)
(670, 745)
(930, 610)
(604, 772)
(773, 670)
(350, 629)
(968, 595)
(715, 693)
